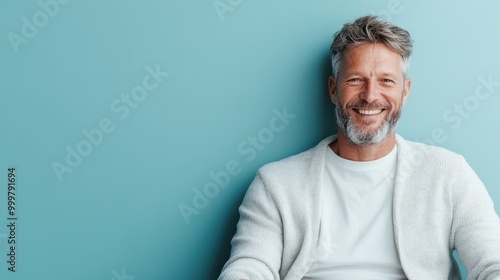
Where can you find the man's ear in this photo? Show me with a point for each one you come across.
(332, 86)
(406, 90)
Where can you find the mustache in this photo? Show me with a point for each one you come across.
(366, 105)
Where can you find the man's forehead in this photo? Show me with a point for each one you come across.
(370, 56)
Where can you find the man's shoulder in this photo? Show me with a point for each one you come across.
(422, 151)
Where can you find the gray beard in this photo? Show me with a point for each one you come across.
(363, 138)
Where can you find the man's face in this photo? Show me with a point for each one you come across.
(369, 92)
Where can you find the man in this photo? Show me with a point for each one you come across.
(366, 204)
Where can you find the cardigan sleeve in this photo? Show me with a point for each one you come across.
(476, 227)
(257, 246)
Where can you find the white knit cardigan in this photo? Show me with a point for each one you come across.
(439, 204)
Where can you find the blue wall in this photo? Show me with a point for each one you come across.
(115, 114)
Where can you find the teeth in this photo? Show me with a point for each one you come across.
(369, 112)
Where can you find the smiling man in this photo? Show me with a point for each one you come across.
(366, 203)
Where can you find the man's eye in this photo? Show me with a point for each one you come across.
(388, 81)
(355, 80)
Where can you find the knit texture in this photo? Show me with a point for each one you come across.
(439, 205)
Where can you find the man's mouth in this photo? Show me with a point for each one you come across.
(368, 112)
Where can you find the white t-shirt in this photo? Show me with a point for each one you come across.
(356, 236)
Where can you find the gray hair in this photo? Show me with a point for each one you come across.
(371, 29)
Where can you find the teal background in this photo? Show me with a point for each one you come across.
(116, 215)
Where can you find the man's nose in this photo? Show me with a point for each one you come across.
(370, 91)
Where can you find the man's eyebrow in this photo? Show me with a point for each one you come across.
(389, 74)
(352, 73)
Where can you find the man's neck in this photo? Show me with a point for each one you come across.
(348, 150)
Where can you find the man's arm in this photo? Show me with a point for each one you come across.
(257, 246)
(476, 227)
